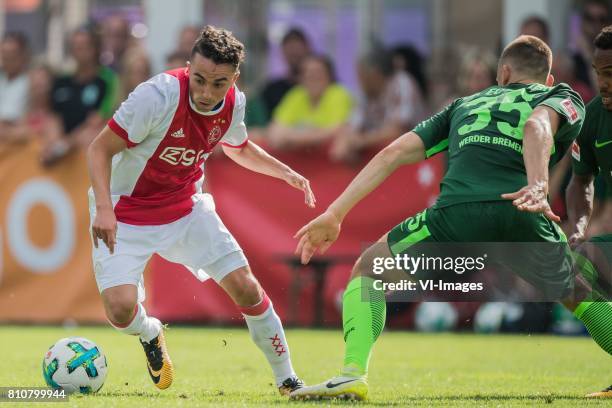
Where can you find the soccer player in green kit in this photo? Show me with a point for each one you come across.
(592, 155)
(500, 143)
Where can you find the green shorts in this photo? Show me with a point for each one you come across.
(601, 238)
(595, 261)
(605, 243)
(547, 267)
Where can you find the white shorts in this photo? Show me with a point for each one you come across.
(199, 241)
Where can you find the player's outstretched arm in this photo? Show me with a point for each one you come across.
(579, 198)
(99, 157)
(537, 145)
(254, 158)
(321, 232)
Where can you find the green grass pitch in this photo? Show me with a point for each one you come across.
(221, 367)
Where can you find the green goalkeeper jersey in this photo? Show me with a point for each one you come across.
(592, 151)
(483, 134)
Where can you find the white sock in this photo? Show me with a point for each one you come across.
(141, 325)
(267, 332)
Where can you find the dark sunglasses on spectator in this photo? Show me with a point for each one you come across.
(595, 18)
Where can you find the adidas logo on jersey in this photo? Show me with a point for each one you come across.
(178, 133)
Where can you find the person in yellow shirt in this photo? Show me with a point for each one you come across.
(312, 110)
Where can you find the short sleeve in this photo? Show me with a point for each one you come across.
(583, 155)
(434, 131)
(236, 135)
(288, 110)
(13, 97)
(142, 111)
(336, 106)
(333, 109)
(567, 103)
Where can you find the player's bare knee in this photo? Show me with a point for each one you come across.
(250, 294)
(243, 288)
(120, 312)
(119, 305)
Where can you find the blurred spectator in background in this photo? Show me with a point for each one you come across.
(14, 84)
(180, 55)
(39, 120)
(84, 100)
(115, 41)
(187, 37)
(176, 59)
(477, 71)
(564, 70)
(536, 26)
(136, 69)
(295, 47)
(595, 15)
(407, 58)
(391, 104)
(312, 110)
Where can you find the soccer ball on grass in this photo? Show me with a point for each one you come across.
(75, 364)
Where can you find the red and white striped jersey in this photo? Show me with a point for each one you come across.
(154, 180)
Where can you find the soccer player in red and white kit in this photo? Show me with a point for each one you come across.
(146, 169)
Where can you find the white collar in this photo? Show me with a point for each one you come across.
(210, 113)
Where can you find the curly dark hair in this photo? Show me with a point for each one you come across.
(603, 41)
(220, 46)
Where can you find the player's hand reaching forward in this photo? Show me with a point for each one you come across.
(301, 183)
(104, 227)
(319, 234)
(533, 198)
(254, 158)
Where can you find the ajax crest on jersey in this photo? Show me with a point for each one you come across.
(214, 134)
(75, 364)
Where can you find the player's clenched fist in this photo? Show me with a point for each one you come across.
(104, 227)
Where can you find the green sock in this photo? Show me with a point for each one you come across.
(363, 318)
(597, 318)
(589, 272)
